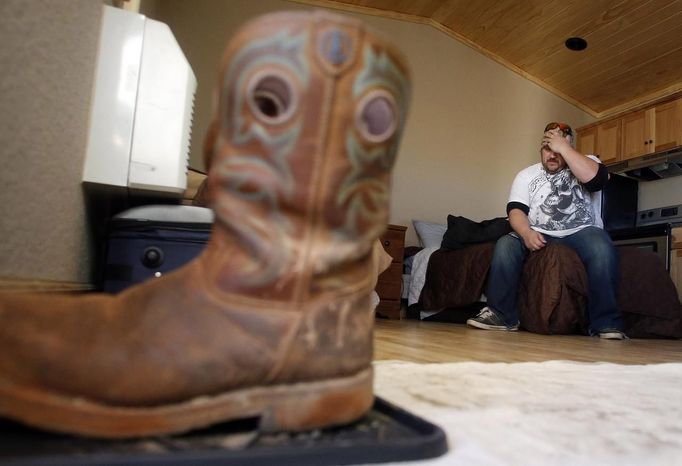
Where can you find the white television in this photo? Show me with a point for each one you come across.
(143, 101)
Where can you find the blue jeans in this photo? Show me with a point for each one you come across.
(598, 255)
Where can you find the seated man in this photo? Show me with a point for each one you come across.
(558, 200)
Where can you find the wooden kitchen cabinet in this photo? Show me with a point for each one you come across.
(637, 132)
(587, 140)
(668, 125)
(602, 140)
(608, 141)
(652, 130)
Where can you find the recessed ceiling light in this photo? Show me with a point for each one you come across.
(576, 43)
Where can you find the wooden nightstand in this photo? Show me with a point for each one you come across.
(390, 282)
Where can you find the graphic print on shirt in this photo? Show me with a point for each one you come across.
(563, 204)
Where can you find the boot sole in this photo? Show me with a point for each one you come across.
(294, 407)
(476, 324)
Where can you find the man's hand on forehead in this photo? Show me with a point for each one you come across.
(555, 131)
(555, 140)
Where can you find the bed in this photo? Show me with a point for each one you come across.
(448, 285)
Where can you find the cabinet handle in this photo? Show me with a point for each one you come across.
(646, 143)
(651, 141)
(387, 242)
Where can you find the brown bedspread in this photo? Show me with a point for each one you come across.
(456, 278)
(553, 290)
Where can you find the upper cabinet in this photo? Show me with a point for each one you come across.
(587, 140)
(603, 140)
(635, 134)
(652, 130)
(668, 125)
(608, 141)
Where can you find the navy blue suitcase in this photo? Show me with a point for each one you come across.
(146, 242)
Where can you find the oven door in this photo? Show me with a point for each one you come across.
(655, 244)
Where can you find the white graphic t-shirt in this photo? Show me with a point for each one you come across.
(558, 204)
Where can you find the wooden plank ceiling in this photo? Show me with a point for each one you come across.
(633, 57)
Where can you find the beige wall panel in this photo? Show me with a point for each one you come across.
(48, 57)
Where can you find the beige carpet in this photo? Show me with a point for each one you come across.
(549, 413)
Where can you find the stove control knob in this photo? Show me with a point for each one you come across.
(152, 257)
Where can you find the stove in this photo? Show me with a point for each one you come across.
(652, 231)
(660, 215)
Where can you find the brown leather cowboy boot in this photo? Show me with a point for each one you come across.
(274, 318)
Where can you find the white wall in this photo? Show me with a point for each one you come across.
(660, 193)
(473, 124)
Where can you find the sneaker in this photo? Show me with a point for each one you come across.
(612, 334)
(488, 319)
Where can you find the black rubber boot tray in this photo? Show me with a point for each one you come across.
(385, 434)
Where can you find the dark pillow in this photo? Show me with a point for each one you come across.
(463, 232)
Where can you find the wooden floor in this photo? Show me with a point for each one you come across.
(413, 340)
